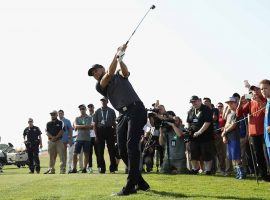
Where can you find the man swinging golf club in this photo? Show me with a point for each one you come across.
(116, 87)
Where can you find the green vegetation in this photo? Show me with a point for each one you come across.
(17, 184)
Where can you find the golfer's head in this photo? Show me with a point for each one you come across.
(97, 71)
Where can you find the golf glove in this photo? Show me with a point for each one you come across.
(120, 55)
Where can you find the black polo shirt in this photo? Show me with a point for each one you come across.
(197, 117)
(119, 91)
(53, 127)
(32, 134)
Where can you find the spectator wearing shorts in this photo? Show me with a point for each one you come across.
(231, 137)
(200, 125)
(83, 125)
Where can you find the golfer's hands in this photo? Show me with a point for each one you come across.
(121, 52)
(122, 48)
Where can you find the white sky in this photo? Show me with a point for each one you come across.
(203, 47)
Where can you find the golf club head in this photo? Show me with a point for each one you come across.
(153, 7)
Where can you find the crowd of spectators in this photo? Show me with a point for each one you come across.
(231, 138)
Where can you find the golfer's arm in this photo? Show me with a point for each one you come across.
(109, 74)
(124, 70)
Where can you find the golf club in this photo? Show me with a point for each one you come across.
(151, 8)
(122, 53)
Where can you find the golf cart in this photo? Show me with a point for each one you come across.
(9, 156)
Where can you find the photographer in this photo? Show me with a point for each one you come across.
(171, 137)
(201, 131)
(158, 113)
(148, 146)
(32, 140)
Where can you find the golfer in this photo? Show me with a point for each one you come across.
(116, 87)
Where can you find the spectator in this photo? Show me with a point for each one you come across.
(32, 140)
(55, 130)
(94, 143)
(70, 151)
(256, 110)
(265, 88)
(237, 97)
(219, 145)
(231, 137)
(159, 150)
(67, 135)
(215, 116)
(201, 145)
(105, 131)
(148, 150)
(243, 134)
(83, 124)
(171, 138)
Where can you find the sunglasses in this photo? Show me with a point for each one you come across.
(30, 121)
(82, 108)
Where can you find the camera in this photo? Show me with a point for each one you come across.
(188, 133)
(164, 123)
(153, 110)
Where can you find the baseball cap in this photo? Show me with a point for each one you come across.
(231, 99)
(103, 99)
(253, 87)
(95, 66)
(90, 105)
(81, 106)
(193, 98)
(53, 112)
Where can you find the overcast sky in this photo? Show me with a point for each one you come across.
(184, 47)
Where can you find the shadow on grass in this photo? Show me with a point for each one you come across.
(180, 195)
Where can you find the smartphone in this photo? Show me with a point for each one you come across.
(248, 96)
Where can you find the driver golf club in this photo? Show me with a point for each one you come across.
(122, 53)
(151, 8)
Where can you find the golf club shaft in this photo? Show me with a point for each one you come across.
(152, 7)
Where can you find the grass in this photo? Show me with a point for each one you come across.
(17, 184)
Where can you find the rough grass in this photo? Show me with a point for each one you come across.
(17, 184)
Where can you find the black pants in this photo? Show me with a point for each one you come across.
(160, 150)
(129, 131)
(106, 134)
(257, 147)
(94, 146)
(33, 158)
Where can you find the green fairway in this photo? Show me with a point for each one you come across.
(17, 184)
